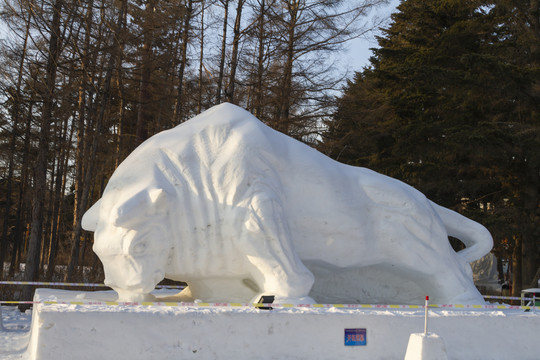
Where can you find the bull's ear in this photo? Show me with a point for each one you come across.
(132, 209)
(140, 207)
(91, 216)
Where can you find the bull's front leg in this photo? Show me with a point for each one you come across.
(268, 245)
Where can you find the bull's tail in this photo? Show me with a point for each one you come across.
(477, 239)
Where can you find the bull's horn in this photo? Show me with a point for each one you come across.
(156, 195)
(158, 198)
(91, 216)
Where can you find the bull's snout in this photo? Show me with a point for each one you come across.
(133, 296)
(134, 258)
(133, 279)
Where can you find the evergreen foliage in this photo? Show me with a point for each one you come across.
(450, 104)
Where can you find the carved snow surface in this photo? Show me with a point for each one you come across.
(238, 210)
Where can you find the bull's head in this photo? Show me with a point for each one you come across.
(130, 238)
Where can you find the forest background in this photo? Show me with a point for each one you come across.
(450, 103)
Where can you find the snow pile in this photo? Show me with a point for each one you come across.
(79, 331)
(238, 210)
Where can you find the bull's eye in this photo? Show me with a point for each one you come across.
(140, 248)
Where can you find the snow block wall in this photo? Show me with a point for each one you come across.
(198, 332)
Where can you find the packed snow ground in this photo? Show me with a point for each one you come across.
(15, 333)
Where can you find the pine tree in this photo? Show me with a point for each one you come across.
(450, 105)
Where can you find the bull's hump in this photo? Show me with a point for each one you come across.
(223, 115)
(224, 145)
(216, 126)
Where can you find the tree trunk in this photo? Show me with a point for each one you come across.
(59, 194)
(531, 232)
(9, 185)
(40, 180)
(22, 202)
(534, 19)
(223, 51)
(258, 105)
(534, 283)
(81, 133)
(516, 268)
(15, 119)
(179, 108)
(121, 89)
(235, 50)
(144, 116)
(283, 117)
(49, 202)
(91, 156)
(201, 62)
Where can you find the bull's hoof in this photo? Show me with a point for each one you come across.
(130, 296)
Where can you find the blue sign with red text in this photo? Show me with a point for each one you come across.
(355, 337)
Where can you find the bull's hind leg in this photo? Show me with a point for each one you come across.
(449, 282)
(277, 269)
(455, 288)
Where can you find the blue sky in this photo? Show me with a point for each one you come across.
(358, 53)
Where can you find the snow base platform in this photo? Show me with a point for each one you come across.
(87, 328)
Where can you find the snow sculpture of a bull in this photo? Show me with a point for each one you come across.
(238, 210)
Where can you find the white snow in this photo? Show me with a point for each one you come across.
(426, 346)
(15, 333)
(78, 330)
(239, 210)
